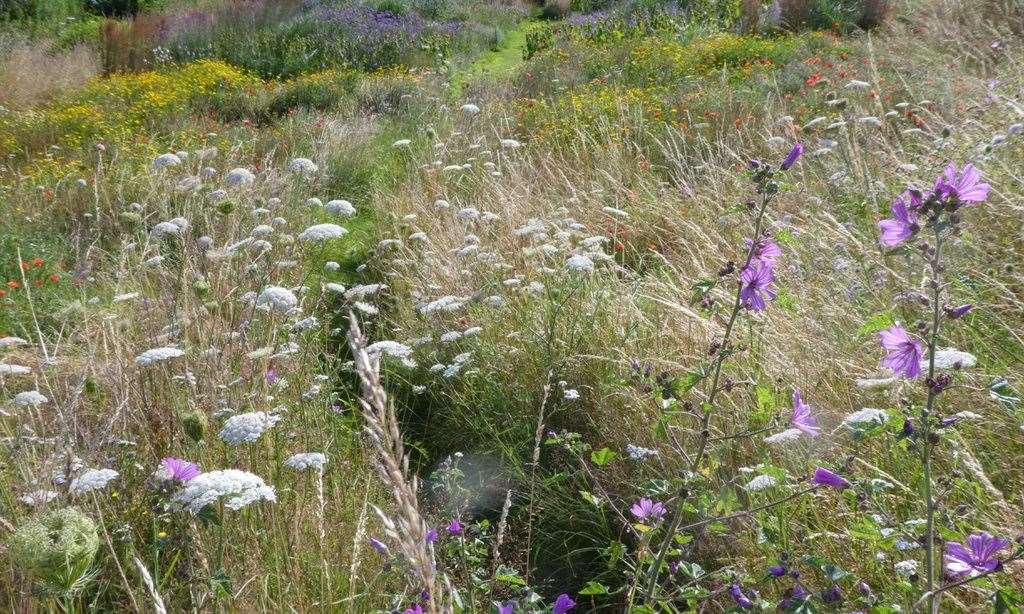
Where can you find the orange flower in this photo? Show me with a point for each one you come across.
(13, 285)
(38, 262)
(3, 293)
(55, 278)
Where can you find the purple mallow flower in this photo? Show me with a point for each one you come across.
(777, 571)
(824, 477)
(903, 353)
(792, 157)
(765, 252)
(180, 469)
(802, 418)
(507, 608)
(455, 527)
(955, 313)
(977, 557)
(741, 600)
(646, 509)
(563, 604)
(965, 185)
(904, 222)
(415, 609)
(378, 545)
(757, 281)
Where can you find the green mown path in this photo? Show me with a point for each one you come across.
(496, 63)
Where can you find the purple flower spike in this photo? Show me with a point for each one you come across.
(965, 185)
(431, 536)
(794, 155)
(758, 281)
(646, 509)
(903, 353)
(802, 418)
(902, 226)
(563, 604)
(824, 477)
(977, 557)
(180, 469)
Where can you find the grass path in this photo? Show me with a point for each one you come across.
(496, 63)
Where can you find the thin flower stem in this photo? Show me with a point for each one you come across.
(929, 595)
(926, 413)
(705, 433)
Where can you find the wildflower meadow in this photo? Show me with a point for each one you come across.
(511, 306)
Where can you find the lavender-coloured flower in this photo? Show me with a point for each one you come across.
(965, 185)
(802, 418)
(507, 608)
(758, 281)
(415, 609)
(431, 536)
(977, 557)
(741, 600)
(378, 545)
(777, 571)
(824, 477)
(792, 157)
(647, 509)
(455, 527)
(903, 353)
(180, 469)
(765, 252)
(563, 604)
(955, 313)
(903, 224)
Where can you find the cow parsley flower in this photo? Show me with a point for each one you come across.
(37, 498)
(639, 453)
(9, 369)
(579, 263)
(307, 460)
(247, 428)
(92, 479)
(166, 160)
(239, 488)
(906, 568)
(239, 177)
(303, 166)
(6, 342)
(949, 358)
(276, 298)
(866, 417)
(322, 232)
(785, 436)
(30, 398)
(761, 482)
(158, 355)
(340, 207)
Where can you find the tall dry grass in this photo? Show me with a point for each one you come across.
(32, 72)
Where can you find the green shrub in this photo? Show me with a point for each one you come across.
(538, 39)
(113, 8)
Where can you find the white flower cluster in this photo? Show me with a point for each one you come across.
(865, 417)
(906, 568)
(6, 342)
(30, 398)
(306, 460)
(340, 207)
(761, 482)
(303, 166)
(166, 160)
(277, 299)
(38, 497)
(785, 436)
(8, 369)
(239, 177)
(92, 479)
(322, 232)
(950, 358)
(639, 453)
(247, 428)
(158, 355)
(241, 488)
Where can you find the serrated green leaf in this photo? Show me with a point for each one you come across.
(877, 322)
(593, 588)
(603, 456)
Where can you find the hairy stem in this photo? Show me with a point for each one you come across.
(926, 413)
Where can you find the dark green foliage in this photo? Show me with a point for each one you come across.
(113, 8)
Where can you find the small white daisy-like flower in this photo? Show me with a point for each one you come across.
(340, 207)
(247, 428)
(166, 160)
(306, 460)
(240, 488)
(785, 436)
(30, 398)
(761, 482)
(865, 417)
(322, 232)
(158, 355)
(239, 177)
(276, 298)
(92, 479)
(303, 166)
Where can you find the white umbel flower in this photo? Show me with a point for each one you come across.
(470, 109)
(8, 369)
(6, 342)
(761, 482)
(906, 568)
(402, 143)
(866, 417)
(950, 358)
(785, 436)
(306, 460)
(30, 398)
(165, 229)
(166, 160)
(510, 144)
(340, 207)
(322, 232)
(158, 355)
(303, 166)
(277, 299)
(240, 488)
(38, 497)
(579, 263)
(247, 428)
(239, 177)
(92, 479)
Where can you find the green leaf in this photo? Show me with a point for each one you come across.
(684, 383)
(220, 584)
(603, 456)
(877, 322)
(785, 300)
(593, 588)
(1007, 601)
(509, 576)
(1001, 391)
(591, 498)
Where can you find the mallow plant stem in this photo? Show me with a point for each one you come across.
(926, 425)
(705, 426)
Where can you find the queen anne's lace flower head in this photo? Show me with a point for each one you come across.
(277, 299)
(92, 479)
(30, 398)
(246, 428)
(304, 166)
(166, 160)
(306, 460)
(239, 177)
(340, 207)
(8, 369)
(158, 355)
(240, 488)
(322, 232)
